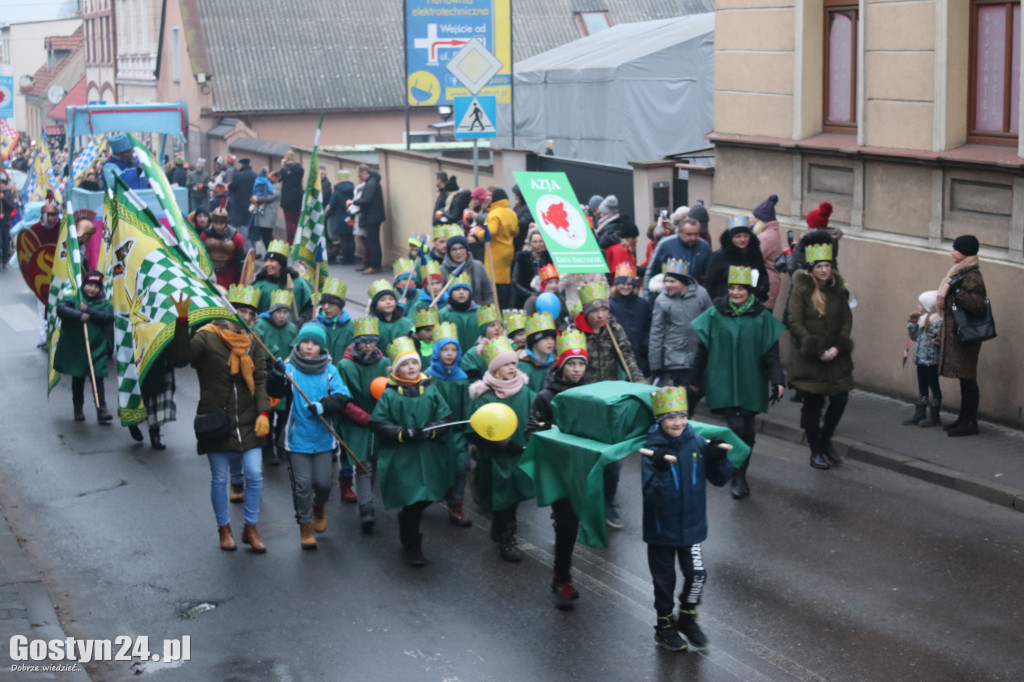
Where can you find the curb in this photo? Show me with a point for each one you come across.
(906, 465)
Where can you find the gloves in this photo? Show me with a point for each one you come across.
(774, 398)
(315, 409)
(262, 427)
(715, 449)
(659, 461)
(407, 435)
(278, 367)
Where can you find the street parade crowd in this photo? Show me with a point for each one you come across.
(437, 391)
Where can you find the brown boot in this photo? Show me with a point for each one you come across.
(308, 535)
(319, 517)
(237, 494)
(227, 540)
(251, 537)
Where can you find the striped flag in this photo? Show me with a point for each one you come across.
(147, 264)
(312, 232)
(65, 281)
(83, 161)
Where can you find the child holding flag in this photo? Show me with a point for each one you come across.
(92, 315)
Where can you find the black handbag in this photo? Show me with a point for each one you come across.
(971, 328)
(212, 427)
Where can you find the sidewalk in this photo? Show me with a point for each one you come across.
(26, 609)
(989, 466)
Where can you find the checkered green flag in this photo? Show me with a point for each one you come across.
(312, 232)
(65, 280)
(148, 264)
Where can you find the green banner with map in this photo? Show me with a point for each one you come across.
(571, 242)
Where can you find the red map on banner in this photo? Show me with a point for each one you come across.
(557, 217)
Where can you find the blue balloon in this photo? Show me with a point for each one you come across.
(549, 303)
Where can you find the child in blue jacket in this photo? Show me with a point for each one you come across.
(675, 513)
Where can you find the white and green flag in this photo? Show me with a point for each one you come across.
(311, 237)
(570, 241)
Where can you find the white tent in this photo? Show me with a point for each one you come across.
(633, 92)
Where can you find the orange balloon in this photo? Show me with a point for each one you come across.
(377, 387)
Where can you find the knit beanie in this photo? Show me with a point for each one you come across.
(819, 216)
(311, 331)
(609, 205)
(765, 211)
(594, 202)
(699, 213)
(966, 244)
(456, 241)
(498, 195)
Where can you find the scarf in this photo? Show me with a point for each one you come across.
(365, 359)
(537, 361)
(503, 388)
(334, 322)
(315, 366)
(968, 262)
(741, 309)
(460, 306)
(407, 382)
(239, 344)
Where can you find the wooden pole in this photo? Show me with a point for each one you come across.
(618, 351)
(88, 356)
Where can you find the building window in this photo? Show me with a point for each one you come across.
(994, 101)
(175, 56)
(840, 68)
(593, 22)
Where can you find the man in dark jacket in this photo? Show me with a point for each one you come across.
(441, 181)
(371, 214)
(239, 194)
(688, 247)
(339, 229)
(178, 175)
(326, 190)
(291, 192)
(740, 246)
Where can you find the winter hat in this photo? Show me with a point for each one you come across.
(594, 202)
(312, 331)
(119, 144)
(457, 241)
(679, 215)
(699, 213)
(929, 300)
(378, 289)
(498, 195)
(93, 277)
(479, 193)
(819, 216)
(765, 211)
(966, 244)
(497, 352)
(609, 205)
(461, 281)
(628, 229)
(571, 344)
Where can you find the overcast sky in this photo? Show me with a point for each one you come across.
(21, 11)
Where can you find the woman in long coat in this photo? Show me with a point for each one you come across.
(964, 287)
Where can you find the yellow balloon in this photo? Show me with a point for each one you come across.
(494, 421)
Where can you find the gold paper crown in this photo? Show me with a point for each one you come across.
(547, 272)
(425, 317)
(440, 231)
(738, 221)
(281, 297)
(366, 326)
(461, 280)
(446, 330)
(816, 253)
(417, 239)
(625, 269)
(668, 399)
(513, 320)
(575, 310)
(278, 246)
(540, 322)
(571, 341)
(379, 285)
(400, 348)
(486, 314)
(243, 295)
(333, 286)
(741, 275)
(430, 269)
(453, 231)
(675, 266)
(594, 291)
(404, 267)
(492, 348)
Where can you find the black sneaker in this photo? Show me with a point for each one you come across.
(686, 623)
(667, 636)
(136, 433)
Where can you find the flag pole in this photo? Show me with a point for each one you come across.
(455, 273)
(489, 257)
(88, 356)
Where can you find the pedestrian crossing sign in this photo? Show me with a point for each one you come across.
(475, 116)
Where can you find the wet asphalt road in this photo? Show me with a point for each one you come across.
(851, 574)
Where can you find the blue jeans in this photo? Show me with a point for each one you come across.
(251, 462)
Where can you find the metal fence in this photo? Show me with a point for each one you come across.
(588, 179)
